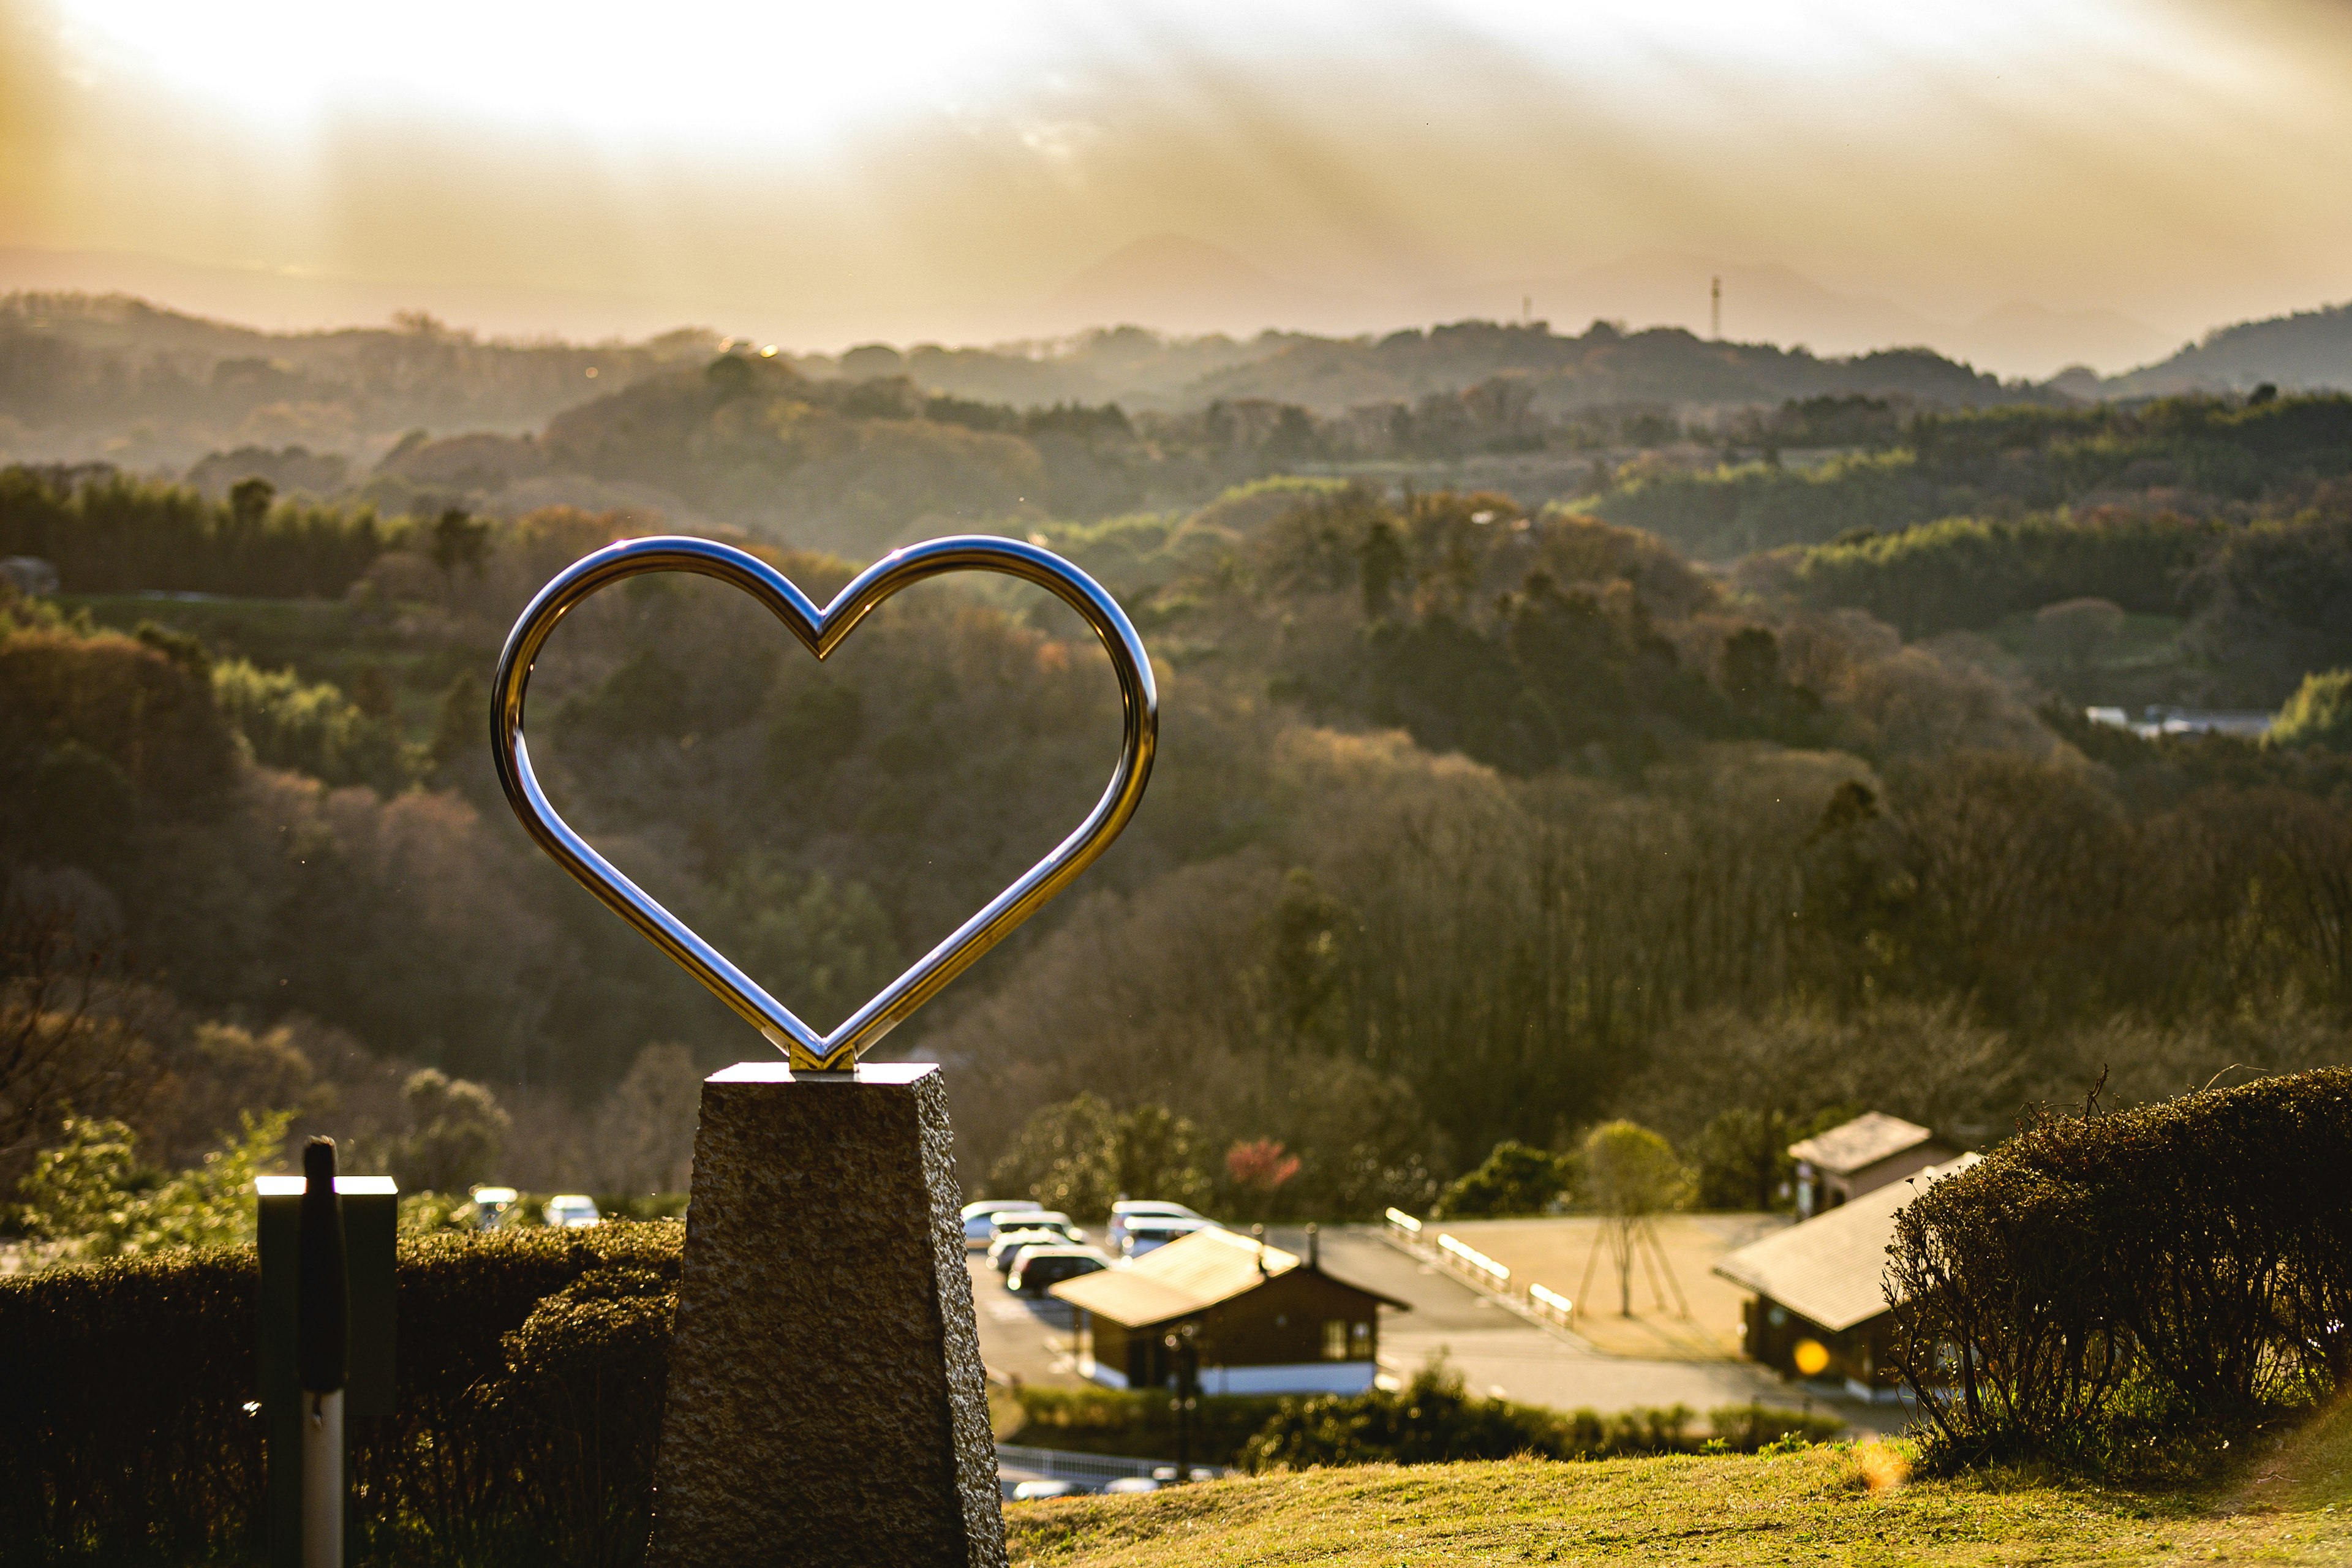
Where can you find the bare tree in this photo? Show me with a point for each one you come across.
(62, 1047)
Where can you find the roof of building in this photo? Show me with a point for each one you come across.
(1864, 1141)
(1187, 1276)
(1831, 1270)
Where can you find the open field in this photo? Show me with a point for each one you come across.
(1826, 1505)
(1557, 1253)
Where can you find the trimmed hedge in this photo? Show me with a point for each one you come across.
(2101, 1284)
(530, 1366)
(1432, 1420)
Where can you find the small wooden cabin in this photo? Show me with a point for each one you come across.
(1821, 1282)
(1263, 1320)
(1861, 1156)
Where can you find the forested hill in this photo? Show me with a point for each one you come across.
(1471, 823)
(2307, 351)
(83, 376)
(2195, 454)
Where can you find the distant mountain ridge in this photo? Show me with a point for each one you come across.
(2309, 351)
(83, 376)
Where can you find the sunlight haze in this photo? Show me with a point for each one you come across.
(2132, 172)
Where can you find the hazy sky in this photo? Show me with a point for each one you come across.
(881, 170)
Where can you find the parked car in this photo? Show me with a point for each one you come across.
(1128, 1209)
(1050, 1229)
(571, 1211)
(1038, 1266)
(491, 1205)
(1149, 1233)
(1037, 1491)
(980, 1219)
(1132, 1484)
(991, 1226)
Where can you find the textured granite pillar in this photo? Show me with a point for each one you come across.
(826, 1404)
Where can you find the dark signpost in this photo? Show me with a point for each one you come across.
(1184, 1349)
(825, 1403)
(326, 1245)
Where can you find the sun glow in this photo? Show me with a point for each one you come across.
(703, 69)
(691, 70)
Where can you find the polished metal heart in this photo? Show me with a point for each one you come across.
(822, 631)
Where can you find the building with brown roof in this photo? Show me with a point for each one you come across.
(1263, 1320)
(1860, 1156)
(1823, 1282)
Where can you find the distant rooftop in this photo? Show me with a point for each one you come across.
(1864, 1141)
(1831, 1270)
(1187, 1276)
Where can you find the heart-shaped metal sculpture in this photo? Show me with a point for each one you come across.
(822, 631)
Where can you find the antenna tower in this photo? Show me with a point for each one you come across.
(1715, 301)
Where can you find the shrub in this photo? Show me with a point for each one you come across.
(1515, 1179)
(2187, 1265)
(90, 1193)
(531, 1366)
(1432, 1420)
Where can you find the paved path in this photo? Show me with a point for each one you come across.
(1503, 1355)
(1020, 1335)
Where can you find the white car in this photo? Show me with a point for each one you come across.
(571, 1211)
(1039, 1491)
(1047, 1230)
(980, 1228)
(1149, 1232)
(1144, 1208)
(1038, 1266)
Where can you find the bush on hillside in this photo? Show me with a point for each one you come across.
(2178, 1271)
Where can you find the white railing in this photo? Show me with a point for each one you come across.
(1404, 1224)
(1460, 1254)
(1551, 1303)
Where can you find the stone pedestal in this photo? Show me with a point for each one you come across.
(826, 1404)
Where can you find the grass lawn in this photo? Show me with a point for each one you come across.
(1837, 1505)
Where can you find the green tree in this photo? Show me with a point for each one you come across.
(821, 947)
(1741, 1157)
(456, 1132)
(249, 501)
(1629, 1171)
(1514, 1179)
(461, 728)
(92, 1193)
(1081, 1156)
(308, 727)
(459, 541)
(2318, 715)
